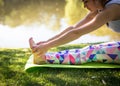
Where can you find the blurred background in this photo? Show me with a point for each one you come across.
(42, 19)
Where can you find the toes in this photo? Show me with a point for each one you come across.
(31, 42)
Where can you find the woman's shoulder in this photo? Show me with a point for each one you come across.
(112, 11)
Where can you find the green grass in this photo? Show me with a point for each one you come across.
(12, 62)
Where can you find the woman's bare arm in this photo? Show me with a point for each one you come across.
(88, 18)
(100, 19)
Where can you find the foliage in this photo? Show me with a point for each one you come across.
(1, 3)
(105, 31)
(74, 11)
(25, 12)
(12, 62)
(1, 10)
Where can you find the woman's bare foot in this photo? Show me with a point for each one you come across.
(38, 59)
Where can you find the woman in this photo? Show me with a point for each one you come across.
(101, 12)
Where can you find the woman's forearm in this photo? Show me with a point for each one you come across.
(66, 30)
(63, 39)
(80, 23)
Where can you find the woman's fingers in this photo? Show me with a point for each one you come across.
(35, 49)
(40, 42)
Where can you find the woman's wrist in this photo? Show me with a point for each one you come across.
(46, 45)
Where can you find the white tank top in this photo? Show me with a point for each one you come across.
(114, 25)
(113, 2)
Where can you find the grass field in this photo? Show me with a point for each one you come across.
(12, 62)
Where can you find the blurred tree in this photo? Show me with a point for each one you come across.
(105, 31)
(2, 11)
(74, 11)
(18, 12)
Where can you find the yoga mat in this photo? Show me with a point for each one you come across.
(29, 67)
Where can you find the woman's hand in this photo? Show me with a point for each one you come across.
(38, 48)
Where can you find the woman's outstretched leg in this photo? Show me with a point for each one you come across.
(105, 53)
(64, 57)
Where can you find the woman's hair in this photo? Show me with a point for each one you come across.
(103, 2)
